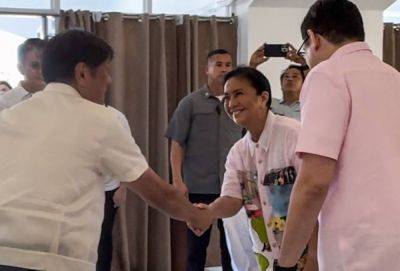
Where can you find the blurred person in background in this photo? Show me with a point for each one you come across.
(30, 66)
(4, 87)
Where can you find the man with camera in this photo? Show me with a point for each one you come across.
(291, 79)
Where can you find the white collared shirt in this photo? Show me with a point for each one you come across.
(110, 183)
(19, 94)
(56, 147)
(14, 96)
(249, 164)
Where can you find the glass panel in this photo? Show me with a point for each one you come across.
(392, 14)
(51, 26)
(125, 6)
(27, 4)
(194, 7)
(13, 31)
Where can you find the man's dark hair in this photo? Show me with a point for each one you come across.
(65, 50)
(217, 52)
(29, 45)
(256, 79)
(6, 84)
(297, 67)
(336, 20)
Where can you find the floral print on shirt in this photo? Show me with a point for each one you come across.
(278, 184)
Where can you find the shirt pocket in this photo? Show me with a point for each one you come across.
(205, 119)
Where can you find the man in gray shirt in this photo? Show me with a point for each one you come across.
(201, 135)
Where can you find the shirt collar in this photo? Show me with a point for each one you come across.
(207, 92)
(264, 139)
(62, 88)
(351, 48)
(281, 101)
(22, 89)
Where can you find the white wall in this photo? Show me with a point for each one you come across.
(259, 24)
(241, 9)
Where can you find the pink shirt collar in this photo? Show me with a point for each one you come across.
(351, 48)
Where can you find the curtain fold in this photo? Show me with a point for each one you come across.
(391, 45)
(157, 61)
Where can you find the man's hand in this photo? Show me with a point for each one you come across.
(311, 265)
(202, 220)
(294, 57)
(119, 196)
(258, 57)
(181, 187)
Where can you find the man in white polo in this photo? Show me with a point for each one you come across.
(29, 65)
(56, 147)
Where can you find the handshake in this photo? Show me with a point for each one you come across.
(201, 220)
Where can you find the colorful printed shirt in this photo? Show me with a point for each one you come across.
(262, 174)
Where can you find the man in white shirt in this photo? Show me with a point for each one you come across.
(56, 148)
(29, 65)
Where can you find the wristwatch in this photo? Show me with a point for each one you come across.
(280, 268)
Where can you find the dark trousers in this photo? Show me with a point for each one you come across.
(11, 268)
(197, 246)
(105, 248)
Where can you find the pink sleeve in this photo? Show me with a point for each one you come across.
(231, 184)
(325, 111)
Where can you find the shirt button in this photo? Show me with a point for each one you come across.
(259, 161)
(264, 203)
(256, 145)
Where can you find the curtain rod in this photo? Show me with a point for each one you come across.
(395, 26)
(179, 18)
(106, 15)
(29, 12)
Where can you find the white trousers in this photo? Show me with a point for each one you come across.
(239, 242)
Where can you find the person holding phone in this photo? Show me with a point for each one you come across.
(292, 78)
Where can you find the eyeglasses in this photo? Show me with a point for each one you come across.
(301, 51)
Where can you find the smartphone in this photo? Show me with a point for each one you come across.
(276, 50)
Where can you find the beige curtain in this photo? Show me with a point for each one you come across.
(76, 20)
(157, 61)
(391, 45)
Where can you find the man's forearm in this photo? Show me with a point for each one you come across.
(306, 201)
(305, 205)
(225, 207)
(176, 160)
(176, 205)
(162, 196)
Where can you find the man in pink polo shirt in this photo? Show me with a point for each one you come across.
(349, 147)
